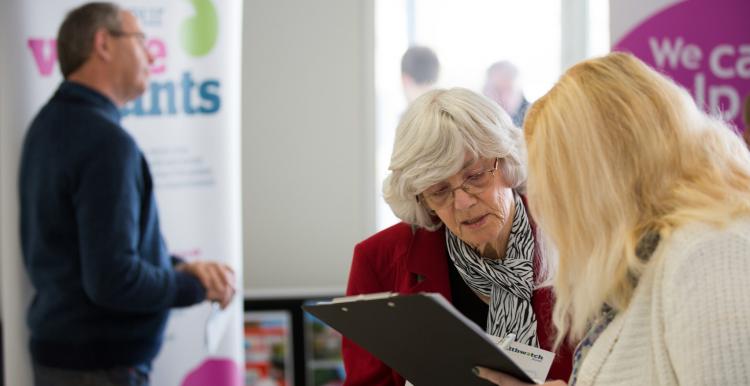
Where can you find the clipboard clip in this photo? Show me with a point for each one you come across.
(354, 298)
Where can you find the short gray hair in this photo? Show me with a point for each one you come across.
(431, 142)
(75, 39)
(421, 64)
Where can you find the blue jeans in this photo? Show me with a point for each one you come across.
(118, 376)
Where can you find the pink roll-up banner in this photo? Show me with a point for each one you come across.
(702, 44)
(188, 125)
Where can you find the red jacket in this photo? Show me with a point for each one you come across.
(398, 260)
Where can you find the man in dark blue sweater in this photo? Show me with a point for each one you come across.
(89, 224)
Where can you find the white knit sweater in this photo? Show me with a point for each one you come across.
(689, 320)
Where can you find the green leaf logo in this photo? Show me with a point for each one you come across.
(198, 33)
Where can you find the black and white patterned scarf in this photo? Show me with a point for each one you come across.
(508, 283)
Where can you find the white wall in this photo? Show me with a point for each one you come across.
(16, 289)
(307, 142)
(574, 32)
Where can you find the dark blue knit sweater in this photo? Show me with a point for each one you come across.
(91, 241)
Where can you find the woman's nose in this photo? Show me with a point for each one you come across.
(462, 200)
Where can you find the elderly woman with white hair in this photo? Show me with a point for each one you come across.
(457, 177)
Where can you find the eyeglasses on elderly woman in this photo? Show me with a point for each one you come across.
(441, 195)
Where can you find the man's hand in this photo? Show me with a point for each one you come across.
(217, 278)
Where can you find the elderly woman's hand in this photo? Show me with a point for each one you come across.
(501, 379)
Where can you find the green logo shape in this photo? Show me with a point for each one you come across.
(198, 33)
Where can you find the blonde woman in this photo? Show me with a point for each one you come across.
(647, 200)
(457, 173)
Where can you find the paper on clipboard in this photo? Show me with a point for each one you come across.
(216, 326)
(535, 361)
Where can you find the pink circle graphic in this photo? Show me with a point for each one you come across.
(215, 372)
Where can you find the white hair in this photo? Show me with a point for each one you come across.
(432, 139)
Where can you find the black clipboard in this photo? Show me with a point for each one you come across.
(421, 336)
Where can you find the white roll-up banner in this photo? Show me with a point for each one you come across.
(188, 125)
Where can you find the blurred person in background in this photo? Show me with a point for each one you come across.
(502, 85)
(420, 70)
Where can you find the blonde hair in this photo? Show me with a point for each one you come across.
(616, 151)
(432, 139)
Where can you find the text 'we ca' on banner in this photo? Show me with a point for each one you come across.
(702, 44)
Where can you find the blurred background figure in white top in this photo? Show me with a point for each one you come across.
(503, 86)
